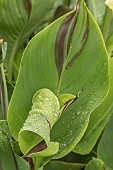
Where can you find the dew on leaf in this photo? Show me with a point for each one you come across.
(78, 113)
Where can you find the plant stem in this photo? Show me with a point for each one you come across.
(40, 168)
(10, 72)
(4, 93)
(106, 24)
(38, 163)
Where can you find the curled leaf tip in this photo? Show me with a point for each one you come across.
(39, 147)
(109, 3)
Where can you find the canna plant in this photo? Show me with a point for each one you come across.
(62, 100)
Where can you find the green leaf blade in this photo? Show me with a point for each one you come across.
(98, 120)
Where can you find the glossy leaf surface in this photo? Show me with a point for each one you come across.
(98, 120)
(69, 56)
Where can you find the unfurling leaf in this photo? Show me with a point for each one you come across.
(41, 118)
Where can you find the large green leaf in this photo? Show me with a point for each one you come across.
(8, 159)
(69, 56)
(18, 19)
(98, 120)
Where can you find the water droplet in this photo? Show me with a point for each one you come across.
(78, 113)
(47, 99)
(33, 107)
(53, 109)
(105, 64)
(73, 117)
(35, 130)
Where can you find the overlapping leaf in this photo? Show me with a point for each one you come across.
(69, 56)
(98, 120)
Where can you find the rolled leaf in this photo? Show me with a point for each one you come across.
(42, 117)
